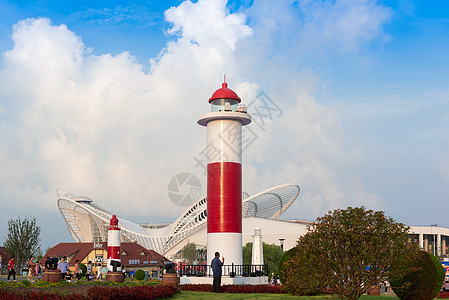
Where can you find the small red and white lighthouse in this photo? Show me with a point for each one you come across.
(113, 242)
(224, 174)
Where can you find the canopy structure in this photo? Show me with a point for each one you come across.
(88, 222)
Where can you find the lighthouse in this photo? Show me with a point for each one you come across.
(224, 174)
(257, 253)
(113, 243)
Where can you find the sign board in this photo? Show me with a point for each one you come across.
(98, 245)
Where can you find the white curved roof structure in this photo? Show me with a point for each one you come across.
(87, 222)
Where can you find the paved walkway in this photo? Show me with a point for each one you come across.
(5, 278)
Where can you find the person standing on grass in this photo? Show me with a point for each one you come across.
(216, 265)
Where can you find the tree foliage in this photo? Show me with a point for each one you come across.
(441, 275)
(201, 254)
(285, 258)
(189, 252)
(23, 239)
(247, 252)
(348, 251)
(420, 283)
(424, 282)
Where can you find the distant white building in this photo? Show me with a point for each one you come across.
(433, 239)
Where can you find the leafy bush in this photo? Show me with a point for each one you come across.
(441, 274)
(83, 269)
(86, 291)
(419, 284)
(30, 294)
(285, 258)
(140, 275)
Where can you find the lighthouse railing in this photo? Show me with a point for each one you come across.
(227, 270)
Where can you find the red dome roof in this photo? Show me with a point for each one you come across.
(114, 222)
(224, 92)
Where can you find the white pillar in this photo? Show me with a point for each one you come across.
(421, 241)
(443, 245)
(438, 245)
(257, 253)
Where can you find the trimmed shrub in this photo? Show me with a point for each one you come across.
(87, 291)
(83, 269)
(140, 275)
(418, 284)
(441, 274)
(132, 292)
(281, 264)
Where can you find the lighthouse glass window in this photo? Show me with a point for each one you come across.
(219, 104)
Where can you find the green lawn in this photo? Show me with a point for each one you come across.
(227, 296)
(205, 296)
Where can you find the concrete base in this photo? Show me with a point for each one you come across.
(225, 280)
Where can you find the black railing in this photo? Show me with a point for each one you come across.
(227, 270)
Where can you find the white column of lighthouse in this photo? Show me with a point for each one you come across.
(257, 252)
(224, 190)
(113, 242)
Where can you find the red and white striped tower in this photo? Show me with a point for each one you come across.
(224, 174)
(113, 242)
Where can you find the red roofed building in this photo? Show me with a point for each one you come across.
(133, 255)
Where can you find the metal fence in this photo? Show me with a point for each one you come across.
(227, 270)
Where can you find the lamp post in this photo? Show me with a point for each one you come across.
(282, 245)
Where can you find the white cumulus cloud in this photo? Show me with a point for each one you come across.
(101, 127)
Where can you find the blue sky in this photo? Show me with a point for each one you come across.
(363, 88)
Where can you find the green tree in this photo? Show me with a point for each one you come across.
(189, 252)
(420, 283)
(202, 254)
(23, 239)
(348, 251)
(38, 254)
(284, 258)
(441, 275)
(247, 251)
(271, 255)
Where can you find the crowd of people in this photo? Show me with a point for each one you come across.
(275, 280)
(36, 269)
